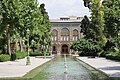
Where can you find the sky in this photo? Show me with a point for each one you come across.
(59, 8)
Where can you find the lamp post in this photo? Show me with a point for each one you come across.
(28, 57)
(44, 52)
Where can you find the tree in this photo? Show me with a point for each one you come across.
(86, 28)
(46, 37)
(112, 18)
(9, 21)
(30, 19)
(86, 47)
(19, 16)
(97, 19)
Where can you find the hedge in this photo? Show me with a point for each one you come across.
(38, 53)
(4, 57)
(18, 55)
(113, 57)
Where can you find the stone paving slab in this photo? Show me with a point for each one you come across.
(19, 68)
(110, 67)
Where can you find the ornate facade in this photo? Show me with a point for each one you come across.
(65, 31)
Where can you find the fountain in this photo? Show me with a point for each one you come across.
(65, 68)
(65, 64)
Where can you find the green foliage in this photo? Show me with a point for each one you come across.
(87, 3)
(86, 47)
(4, 57)
(18, 16)
(112, 17)
(46, 37)
(38, 53)
(86, 28)
(46, 53)
(17, 55)
(111, 53)
(97, 20)
(94, 28)
(113, 42)
(13, 57)
(3, 44)
(20, 55)
(103, 53)
(114, 55)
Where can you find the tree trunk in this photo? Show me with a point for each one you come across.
(21, 45)
(8, 43)
(33, 48)
(3, 45)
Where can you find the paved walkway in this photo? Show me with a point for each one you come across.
(111, 68)
(19, 68)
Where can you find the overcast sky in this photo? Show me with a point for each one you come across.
(58, 8)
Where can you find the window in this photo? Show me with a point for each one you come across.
(54, 35)
(65, 34)
(75, 35)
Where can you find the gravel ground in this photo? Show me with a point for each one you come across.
(110, 67)
(19, 68)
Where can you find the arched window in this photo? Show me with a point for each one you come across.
(75, 34)
(54, 35)
(65, 34)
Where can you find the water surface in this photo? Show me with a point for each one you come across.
(56, 70)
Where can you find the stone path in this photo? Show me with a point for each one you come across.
(19, 68)
(111, 68)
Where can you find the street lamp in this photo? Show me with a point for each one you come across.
(28, 57)
(44, 51)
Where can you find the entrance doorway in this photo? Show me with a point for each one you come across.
(54, 50)
(64, 49)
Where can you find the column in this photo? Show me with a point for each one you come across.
(59, 34)
(71, 35)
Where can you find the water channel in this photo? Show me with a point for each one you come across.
(65, 68)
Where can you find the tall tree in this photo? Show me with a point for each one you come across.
(18, 16)
(97, 19)
(112, 18)
(86, 28)
(9, 20)
(46, 37)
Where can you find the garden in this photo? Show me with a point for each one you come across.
(24, 29)
(101, 31)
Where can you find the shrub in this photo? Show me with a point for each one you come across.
(36, 53)
(13, 57)
(86, 47)
(113, 55)
(4, 57)
(103, 53)
(20, 55)
(47, 53)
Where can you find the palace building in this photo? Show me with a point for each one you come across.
(65, 31)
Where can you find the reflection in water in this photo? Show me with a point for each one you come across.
(66, 76)
(65, 64)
